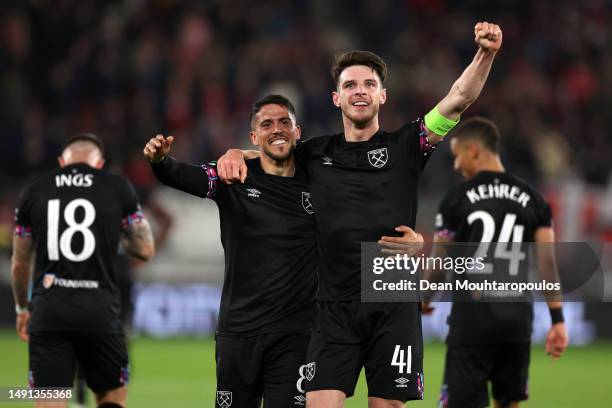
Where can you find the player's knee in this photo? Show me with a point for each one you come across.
(113, 398)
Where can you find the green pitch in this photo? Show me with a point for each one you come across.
(181, 373)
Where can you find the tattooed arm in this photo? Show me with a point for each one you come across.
(137, 239)
(21, 265)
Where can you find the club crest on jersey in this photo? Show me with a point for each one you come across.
(253, 192)
(378, 157)
(224, 399)
(308, 371)
(306, 203)
(48, 280)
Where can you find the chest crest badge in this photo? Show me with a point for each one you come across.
(307, 203)
(378, 157)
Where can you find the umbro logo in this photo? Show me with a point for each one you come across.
(299, 400)
(253, 192)
(327, 161)
(401, 382)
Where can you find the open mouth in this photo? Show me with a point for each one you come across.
(279, 141)
(361, 103)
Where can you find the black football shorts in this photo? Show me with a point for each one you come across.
(266, 367)
(468, 370)
(385, 338)
(102, 356)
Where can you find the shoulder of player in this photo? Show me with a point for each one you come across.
(455, 194)
(525, 186)
(256, 175)
(318, 141)
(38, 182)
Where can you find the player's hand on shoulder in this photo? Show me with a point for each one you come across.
(409, 243)
(488, 36)
(231, 167)
(157, 148)
(557, 340)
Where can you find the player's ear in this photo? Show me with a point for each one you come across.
(100, 164)
(336, 98)
(383, 96)
(61, 161)
(298, 132)
(253, 137)
(474, 150)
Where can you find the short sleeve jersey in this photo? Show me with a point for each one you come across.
(75, 216)
(268, 237)
(361, 191)
(492, 207)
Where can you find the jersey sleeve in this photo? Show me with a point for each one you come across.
(201, 181)
(544, 214)
(23, 221)
(131, 211)
(445, 223)
(414, 136)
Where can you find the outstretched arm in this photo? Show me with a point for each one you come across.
(466, 89)
(21, 265)
(200, 181)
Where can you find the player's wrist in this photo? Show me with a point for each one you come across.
(556, 315)
(158, 161)
(21, 309)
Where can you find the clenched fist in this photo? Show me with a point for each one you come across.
(488, 36)
(157, 148)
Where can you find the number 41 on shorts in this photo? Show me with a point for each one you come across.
(402, 359)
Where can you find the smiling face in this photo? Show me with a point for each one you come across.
(359, 94)
(275, 132)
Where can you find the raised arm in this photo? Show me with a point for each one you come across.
(200, 181)
(468, 86)
(137, 237)
(21, 265)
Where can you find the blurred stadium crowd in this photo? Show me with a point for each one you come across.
(127, 70)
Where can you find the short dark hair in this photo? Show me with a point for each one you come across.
(271, 99)
(482, 129)
(357, 57)
(85, 137)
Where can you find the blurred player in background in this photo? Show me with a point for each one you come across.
(268, 236)
(137, 171)
(490, 341)
(74, 219)
(364, 182)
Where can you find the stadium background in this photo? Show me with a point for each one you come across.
(127, 70)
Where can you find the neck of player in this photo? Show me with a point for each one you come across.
(283, 168)
(492, 163)
(359, 132)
